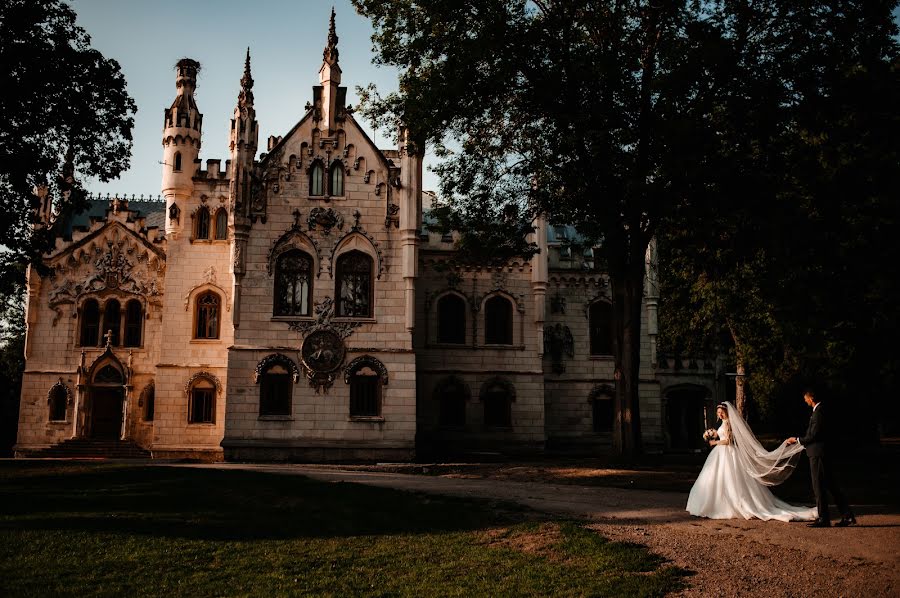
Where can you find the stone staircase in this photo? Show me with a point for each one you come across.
(90, 448)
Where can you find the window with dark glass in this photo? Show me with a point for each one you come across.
(293, 288)
(221, 224)
(112, 319)
(498, 321)
(316, 179)
(365, 393)
(497, 412)
(453, 405)
(207, 316)
(451, 319)
(177, 166)
(603, 414)
(275, 387)
(601, 329)
(134, 319)
(90, 323)
(337, 179)
(58, 403)
(202, 407)
(354, 285)
(202, 224)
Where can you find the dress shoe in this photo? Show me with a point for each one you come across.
(845, 521)
(819, 523)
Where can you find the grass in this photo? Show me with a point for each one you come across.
(104, 530)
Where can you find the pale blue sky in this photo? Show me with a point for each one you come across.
(286, 39)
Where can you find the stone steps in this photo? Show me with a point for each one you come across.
(88, 448)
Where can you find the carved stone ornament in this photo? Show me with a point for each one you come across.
(175, 213)
(322, 353)
(391, 217)
(205, 376)
(558, 342)
(66, 389)
(557, 304)
(326, 219)
(324, 313)
(112, 260)
(369, 362)
(276, 359)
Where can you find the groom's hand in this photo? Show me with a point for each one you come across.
(791, 440)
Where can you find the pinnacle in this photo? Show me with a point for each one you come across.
(331, 52)
(245, 97)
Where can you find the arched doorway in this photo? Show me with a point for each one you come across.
(107, 391)
(685, 417)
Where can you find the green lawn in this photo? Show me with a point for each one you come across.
(70, 529)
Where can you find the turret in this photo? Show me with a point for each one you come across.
(181, 143)
(331, 102)
(410, 218)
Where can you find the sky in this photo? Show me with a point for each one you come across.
(286, 39)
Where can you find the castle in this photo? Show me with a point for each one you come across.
(293, 305)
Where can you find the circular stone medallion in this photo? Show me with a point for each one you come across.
(322, 351)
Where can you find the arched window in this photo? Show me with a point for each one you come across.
(453, 396)
(207, 316)
(497, 398)
(275, 390)
(148, 399)
(58, 401)
(202, 407)
(112, 319)
(177, 166)
(316, 178)
(365, 393)
(134, 320)
(293, 283)
(202, 224)
(221, 224)
(90, 323)
(601, 329)
(354, 285)
(337, 179)
(451, 319)
(498, 321)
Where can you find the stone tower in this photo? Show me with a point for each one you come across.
(182, 126)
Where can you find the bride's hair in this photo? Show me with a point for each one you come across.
(722, 406)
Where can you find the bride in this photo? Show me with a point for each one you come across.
(733, 482)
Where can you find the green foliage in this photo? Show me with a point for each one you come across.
(12, 364)
(161, 531)
(59, 97)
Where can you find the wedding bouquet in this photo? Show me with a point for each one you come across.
(710, 435)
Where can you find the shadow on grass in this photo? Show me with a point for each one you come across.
(223, 505)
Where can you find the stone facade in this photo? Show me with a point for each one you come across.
(293, 305)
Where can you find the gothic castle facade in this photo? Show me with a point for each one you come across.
(294, 305)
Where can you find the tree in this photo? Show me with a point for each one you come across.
(61, 99)
(12, 363)
(614, 116)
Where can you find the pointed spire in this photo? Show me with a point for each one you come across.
(330, 55)
(245, 97)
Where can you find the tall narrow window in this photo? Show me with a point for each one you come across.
(221, 224)
(451, 319)
(112, 319)
(601, 329)
(90, 323)
(293, 288)
(275, 388)
(134, 316)
(354, 285)
(149, 398)
(365, 393)
(316, 176)
(337, 179)
(207, 316)
(202, 224)
(498, 321)
(177, 166)
(202, 403)
(58, 402)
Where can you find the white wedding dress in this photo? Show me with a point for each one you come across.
(726, 488)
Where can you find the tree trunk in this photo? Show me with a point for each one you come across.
(740, 395)
(627, 292)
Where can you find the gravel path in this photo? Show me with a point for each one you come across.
(728, 557)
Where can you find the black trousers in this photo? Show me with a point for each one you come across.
(823, 482)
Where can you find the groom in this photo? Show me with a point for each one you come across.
(819, 466)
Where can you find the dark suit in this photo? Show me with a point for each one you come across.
(815, 442)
